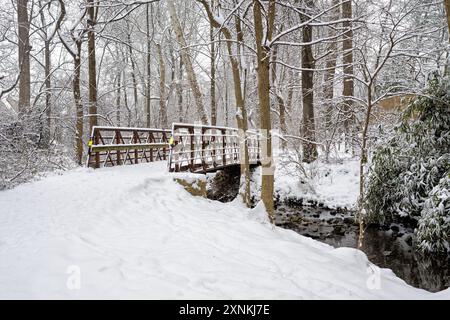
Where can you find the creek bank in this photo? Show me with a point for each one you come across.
(388, 246)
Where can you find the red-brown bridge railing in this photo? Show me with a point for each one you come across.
(199, 148)
(187, 147)
(112, 146)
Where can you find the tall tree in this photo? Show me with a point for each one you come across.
(162, 89)
(384, 43)
(278, 95)
(148, 98)
(77, 39)
(308, 63)
(328, 92)
(241, 114)
(447, 11)
(48, 38)
(133, 74)
(118, 98)
(92, 9)
(263, 62)
(198, 96)
(179, 90)
(348, 86)
(24, 56)
(213, 73)
(72, 40)
(125, 92)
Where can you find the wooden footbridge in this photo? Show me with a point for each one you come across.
(187, 147)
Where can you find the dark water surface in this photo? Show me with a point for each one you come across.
(387, 247)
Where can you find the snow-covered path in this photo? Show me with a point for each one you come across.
(132, 232)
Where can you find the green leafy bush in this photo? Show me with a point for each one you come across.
(409, 172)
(434, 224)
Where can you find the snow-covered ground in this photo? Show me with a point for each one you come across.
(334, 184)
(132, 232)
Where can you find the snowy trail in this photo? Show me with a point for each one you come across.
(134, 233)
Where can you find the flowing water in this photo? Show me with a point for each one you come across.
(386, 246)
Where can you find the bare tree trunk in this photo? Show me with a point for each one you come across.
(279, 98)
(239, 36)
(179, 89)
(241, 119)
(173, 77)
(288, 104)
(348, 87)
(24, 56)
(362, 164)
(45, 128)
(447, 11)
(148, 99)
(118, 98)
(48, 93)
(263, 59)
(283, 128)
(125, 90)
(133, 76)
(308, 125)
(328, 92)
(162, 89)
(290, 93)
(241, 115)
(78, 104)
(47, 38)
(92, 65)
(213, 73)
(125, 100)
(198, 96)
(76, 56)
(226, 93)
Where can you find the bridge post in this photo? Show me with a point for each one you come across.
(224, 147)
(164, 138)
(203, 149)
(258, 150)
(135, 140)
(151, 139)
(97, 154)
(191, 132)
(213, 151)
(118, 153)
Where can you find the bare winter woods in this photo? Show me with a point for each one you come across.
(320, 75)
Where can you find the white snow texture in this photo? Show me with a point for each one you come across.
(132, 232)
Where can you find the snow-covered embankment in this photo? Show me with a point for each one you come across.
(132, 232)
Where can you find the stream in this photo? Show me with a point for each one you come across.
(386, 246)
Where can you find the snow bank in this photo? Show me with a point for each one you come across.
(335, 185)
(132, 232)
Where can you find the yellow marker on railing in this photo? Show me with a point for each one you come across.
(90, 143)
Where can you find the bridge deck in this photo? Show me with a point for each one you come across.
(194, 148)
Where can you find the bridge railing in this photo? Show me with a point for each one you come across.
(112, 146)
(201, 148)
